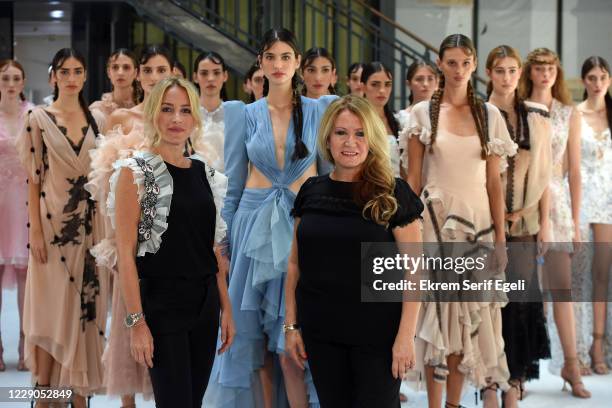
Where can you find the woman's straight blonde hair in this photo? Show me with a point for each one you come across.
(153, 105)
(377, 189)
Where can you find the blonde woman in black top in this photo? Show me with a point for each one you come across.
(358, 352)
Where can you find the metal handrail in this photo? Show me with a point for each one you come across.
(409, 33)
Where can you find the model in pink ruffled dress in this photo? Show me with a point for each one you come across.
(13, 211)
(123, 135)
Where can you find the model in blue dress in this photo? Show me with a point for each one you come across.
(265, 171)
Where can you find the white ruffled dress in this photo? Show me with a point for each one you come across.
(457, 210)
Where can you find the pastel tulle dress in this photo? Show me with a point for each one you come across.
(66, 299)
(457, 210)
(13, 210)
(213, 128)
(107, 105)
(260, 232)
(122, 374)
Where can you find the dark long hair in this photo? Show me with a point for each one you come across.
(369, 70)
(150, 52)
(271, 37)
(477, 105)
(135, 85)
(215, 59)
(58, 61)
(354, 67)
(249, 76)
(309, 57)
(587, 66)
(5, 64)
(412, 70)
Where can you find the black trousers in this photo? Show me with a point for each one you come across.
(348, 376)
(182, 362)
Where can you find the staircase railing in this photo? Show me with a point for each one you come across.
(352, 30)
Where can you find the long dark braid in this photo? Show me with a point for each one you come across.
(391, 119)
(300, 151)
(477, 107)
(434, 112)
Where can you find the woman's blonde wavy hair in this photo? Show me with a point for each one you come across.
(153, 105)
(544, 56)
(377, 189)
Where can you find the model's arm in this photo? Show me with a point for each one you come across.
(127, 213)
(236, 159)
(544, 232)
(293, 338)
(416, 149)
(409, 241)
(573, 155)
(228, 330)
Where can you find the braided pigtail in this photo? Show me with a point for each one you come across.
(300, 151)
(477, 107)
(434, 112)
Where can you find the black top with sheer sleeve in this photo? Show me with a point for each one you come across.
(329, 240)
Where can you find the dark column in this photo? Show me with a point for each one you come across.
(6, 30)
(560, 28)
(91, 35)
(386, 52)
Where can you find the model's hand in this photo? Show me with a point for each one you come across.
(404, 357)
(141, 344)
(513, 216)
(37, 246)
(543, 239)
(500, 256)
(294, 347)
(228, 331)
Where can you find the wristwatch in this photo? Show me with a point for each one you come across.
(132, 318)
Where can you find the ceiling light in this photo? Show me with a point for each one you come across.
(57, 13)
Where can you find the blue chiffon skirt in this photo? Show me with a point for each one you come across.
(260, 241)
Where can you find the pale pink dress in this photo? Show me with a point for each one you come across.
(457, 210)
(66, 297)
(13, 209)
(122, 375)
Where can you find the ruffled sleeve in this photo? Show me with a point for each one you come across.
(235, 157)
(113, 146)
(416, 123)
(218, 186)
(409, 205)
(154, 196)
(30, 146)
(500, 142)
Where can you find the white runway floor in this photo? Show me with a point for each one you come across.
(544, 393)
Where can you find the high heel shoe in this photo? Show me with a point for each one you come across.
(449, 405)
(574, 380)
(491, 387)
(517, 385)
(599, 366)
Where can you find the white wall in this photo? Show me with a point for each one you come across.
(523, 24)
(35, 52)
